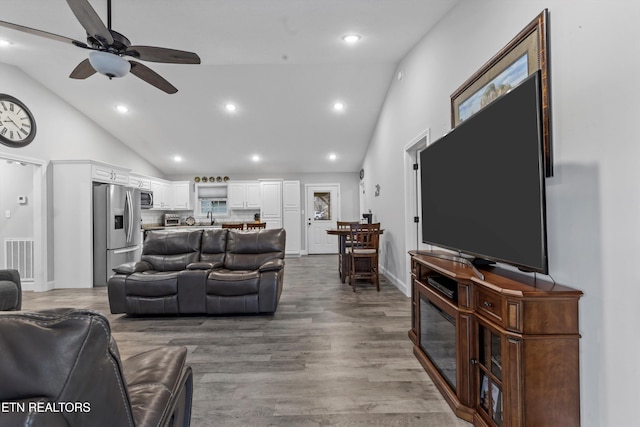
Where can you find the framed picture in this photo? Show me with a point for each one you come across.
(521, 57)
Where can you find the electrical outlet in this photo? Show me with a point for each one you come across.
(7, 214)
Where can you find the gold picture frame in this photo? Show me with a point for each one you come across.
(521, 57)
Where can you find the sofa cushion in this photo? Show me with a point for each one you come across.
(225, 282)
(249, 250)
(214, 244)
(152, 283)
(170, 251)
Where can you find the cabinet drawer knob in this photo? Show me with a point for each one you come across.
(487, 304)
(474, 361)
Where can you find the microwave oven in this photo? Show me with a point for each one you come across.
(146, 199)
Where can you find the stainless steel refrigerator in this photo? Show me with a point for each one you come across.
(116, 229)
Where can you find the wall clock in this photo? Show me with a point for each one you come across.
(361, 173)
(17, 125)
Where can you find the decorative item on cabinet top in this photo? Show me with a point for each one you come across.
(211, 179)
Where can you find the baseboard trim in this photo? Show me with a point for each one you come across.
(402, 287)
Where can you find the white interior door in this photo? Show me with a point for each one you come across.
(322, 209)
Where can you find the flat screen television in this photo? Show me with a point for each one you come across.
(483, 185)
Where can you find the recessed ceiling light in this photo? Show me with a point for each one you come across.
(255, 158)
(230, 107)
(333, 156)
(5, 43)
(351, 38)
(338, 106)
(177, 158)
(122, 108)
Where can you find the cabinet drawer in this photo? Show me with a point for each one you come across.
(489, 303)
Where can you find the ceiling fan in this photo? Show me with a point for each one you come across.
(109, 48)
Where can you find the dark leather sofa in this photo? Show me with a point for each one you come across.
(215, 271)
(10, 290)
(61, 367)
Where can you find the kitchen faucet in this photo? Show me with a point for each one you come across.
(210, 215)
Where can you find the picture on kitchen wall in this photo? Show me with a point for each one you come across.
(521, 57)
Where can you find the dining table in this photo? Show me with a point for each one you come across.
(343, 260)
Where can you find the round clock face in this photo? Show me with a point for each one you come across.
(17, 126)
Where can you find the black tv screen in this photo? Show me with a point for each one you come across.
(483, 188)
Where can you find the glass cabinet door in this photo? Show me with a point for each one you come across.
(490, 374)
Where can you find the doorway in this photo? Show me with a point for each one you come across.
(323, 211)
(413, 228)
(22, 220)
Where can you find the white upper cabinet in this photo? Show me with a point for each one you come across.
(141, 182)
(243, 195)
(106, 173)
(181, 195)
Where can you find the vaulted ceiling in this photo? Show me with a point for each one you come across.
(283, 63)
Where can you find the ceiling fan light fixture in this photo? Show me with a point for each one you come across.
(109, 64)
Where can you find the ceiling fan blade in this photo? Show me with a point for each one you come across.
(90, 20)
(161, 54)
(83, 70)
(42, 34)
(148, 75)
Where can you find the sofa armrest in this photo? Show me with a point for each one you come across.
(272, 265)
(204, 265)
(160, 386)
(133, 267)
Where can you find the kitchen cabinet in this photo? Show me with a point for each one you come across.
(141, 182)
(180, 195)
(161, 194)
(243, 195)
(291, 218)
(106, 173)
(271, 203)
(169, 195)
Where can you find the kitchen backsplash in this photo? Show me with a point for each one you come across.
(152, 217)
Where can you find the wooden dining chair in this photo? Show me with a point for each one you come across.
(345, 226)
(363, 253)
(254, 225)
(233, 225)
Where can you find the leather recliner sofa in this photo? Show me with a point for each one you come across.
(214, 271)
(62, 367)
(10, 290)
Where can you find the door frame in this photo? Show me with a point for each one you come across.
(39, 204)
(412, 199)
(307, 188)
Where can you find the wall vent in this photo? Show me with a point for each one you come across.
(19, 256)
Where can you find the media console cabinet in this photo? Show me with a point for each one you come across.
(503, 350)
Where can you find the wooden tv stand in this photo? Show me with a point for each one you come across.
(503, 350)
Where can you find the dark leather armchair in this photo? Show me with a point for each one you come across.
(10, 290)
(62, 368)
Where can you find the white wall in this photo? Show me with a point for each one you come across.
(593, 201)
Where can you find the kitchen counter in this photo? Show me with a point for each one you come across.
(149, 227)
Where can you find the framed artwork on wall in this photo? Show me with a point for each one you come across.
(523, 55)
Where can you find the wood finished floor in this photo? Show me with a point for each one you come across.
(327, 357)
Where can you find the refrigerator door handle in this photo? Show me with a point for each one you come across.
(125, 250)
(128, 208)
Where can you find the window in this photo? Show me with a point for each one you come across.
(213, 206)
(212, 200)
(322, 205)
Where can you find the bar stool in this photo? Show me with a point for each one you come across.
(363, 254)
